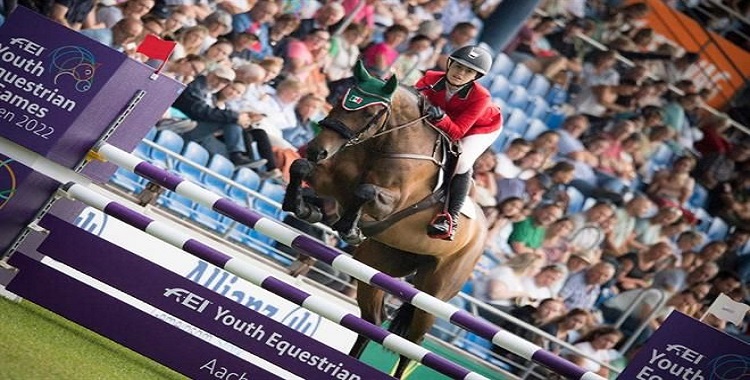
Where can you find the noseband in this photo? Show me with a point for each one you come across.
(352, 137)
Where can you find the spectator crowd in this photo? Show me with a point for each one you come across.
(633, 191)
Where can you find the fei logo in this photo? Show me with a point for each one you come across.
(685, 353)
(187, 298)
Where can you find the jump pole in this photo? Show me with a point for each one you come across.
(343, 262)
(245, 269)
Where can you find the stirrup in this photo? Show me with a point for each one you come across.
(442, 226)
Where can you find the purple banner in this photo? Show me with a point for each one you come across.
(127, 325)
(22, 193)
(684, 348)
(203, 308)
(49, 75)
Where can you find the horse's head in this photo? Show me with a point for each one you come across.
(364, 110)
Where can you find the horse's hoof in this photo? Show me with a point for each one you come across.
(301, 168)
(353, 237)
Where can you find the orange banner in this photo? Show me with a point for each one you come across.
(724, 72)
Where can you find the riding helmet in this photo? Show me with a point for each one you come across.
(473, 57)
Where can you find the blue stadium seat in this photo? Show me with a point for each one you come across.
(500, 103)
(142, 150)
(170, 141)
(196, 154)
(500, 88)
(247, 178)
(275, 193)
(224, 168)
(662, 156)
(128, 180)
(555, 118)
(502, 66)
(210, 219)
(575, 204)
(539, 85)
(521, 75)
(556, 95)
(518, 98)
(499, 144)
(177, 204)
(537, 108)
(535, 128)
(718, 229)
(516, 121)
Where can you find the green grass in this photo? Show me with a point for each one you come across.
(37, 344)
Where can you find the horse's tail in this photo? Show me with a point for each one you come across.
(402, 320)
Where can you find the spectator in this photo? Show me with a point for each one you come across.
(711, 252)
(218, 54)
(325, 18)
(122, 37)
(673, 187)
(676, 117)
(548, 310)
(567, 328)
(506, 166)
(570, 135)
(278, 33)
(542, 285)
(345, 52)
(193, 103)
(304, 59)
(598, 346)
(530, 191)
(307, 110)
(528, 235)
(622, 238)
(185, 69)
(637, 269)
(189, 41)
(380, 57)
(109, 15)
(279, 110)
(556, 246)
(509, 211)
(484, 191)
(502, 285)
(653, 230)
(588, 232)
(561, 174)
(546, 144)
(462, 34)
(406, 67)
(582, 289)
(219, 24)
(733, 200)
(257, 21)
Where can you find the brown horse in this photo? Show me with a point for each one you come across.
(379, 159)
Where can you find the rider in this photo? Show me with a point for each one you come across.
(463, 109)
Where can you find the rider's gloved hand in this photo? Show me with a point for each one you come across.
(435, 114)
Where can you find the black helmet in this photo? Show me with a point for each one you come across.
(473, 57)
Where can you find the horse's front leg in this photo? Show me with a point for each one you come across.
(294, 201)
(347, 224)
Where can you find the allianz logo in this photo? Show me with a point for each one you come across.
(228, 285)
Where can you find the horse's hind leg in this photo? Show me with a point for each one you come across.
(294, 201)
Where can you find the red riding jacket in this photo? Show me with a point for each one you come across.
(468, 112)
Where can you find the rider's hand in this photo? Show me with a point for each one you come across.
(435, 114)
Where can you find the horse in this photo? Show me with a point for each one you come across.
(378, 143)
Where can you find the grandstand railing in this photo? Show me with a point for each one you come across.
(642, 326)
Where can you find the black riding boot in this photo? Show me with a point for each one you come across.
(444, 226)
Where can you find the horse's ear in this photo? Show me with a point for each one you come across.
(360, 72)
(390, 86)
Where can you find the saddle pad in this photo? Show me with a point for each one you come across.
(468, 209)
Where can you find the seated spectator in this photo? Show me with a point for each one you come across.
(714, 169)
(122, 37)
(542, 285)
(218, 54)
(733, 201)
(546, 144)
(570, 135)
(711, 252)
(530, 191)
(637, 269)
(676, 117)
(530, 164)
(509, 211)
(653, 230)
(528, 235)
(597, 344)
(582, 289)
(307, 110)
(325, 18)
(566, 328)
(685, 245)
(506, 166)
(601, 101)
(244, 45)
(189, 41)
(279, 111)
(622, 238)
(345, 52)
(560, 175)
(380, 57)
(715, 140)
(406, 67)
(185, 69)
(283, 26)
(502, 285)
(548, 310)
(673, 186)
(598, 69)
(460, 35)
(726, 282)
(109, 15)
(304, 60)
(485, 179)
(219, 24)
(257, 21)
(177, 20)
(194, 103)
(588, 232)
(556, 246)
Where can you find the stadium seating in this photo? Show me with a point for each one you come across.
(177, 204)
(196, 154)
(555, 118)
(539, 85)
(224, 168)
(142, 150)
(500, 88)
(170, 141)
(518, 98)
(576, 199)
(535, 128)
(699, 198)
(248, 179)
(210, 219)
(521, 75)
(718, 229)
(537, 108)
(128, 180)
(275, 193)
(502, 66)
(516, 121)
